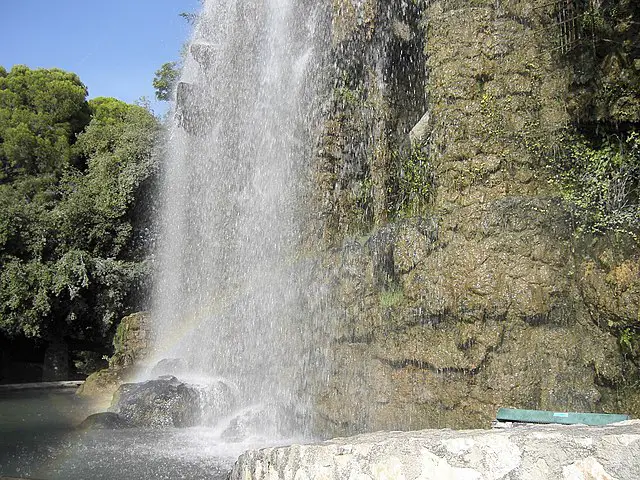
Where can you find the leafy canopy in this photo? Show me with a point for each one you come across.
(72, 232)
(165, 79)
(41, 112)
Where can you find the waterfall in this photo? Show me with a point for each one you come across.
(233, 296)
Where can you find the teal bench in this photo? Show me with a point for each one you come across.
(517, 415)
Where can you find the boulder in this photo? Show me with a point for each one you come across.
(102, 383)
(131, 345)
(165, 402)
(169, 366)
(218, 400)
(131, 342)
(104, 421)
(262, 421)
(544, 452)
(250, 423)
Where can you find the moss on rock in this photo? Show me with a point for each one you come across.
(131, 344)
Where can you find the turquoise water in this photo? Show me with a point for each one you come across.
(39, 439)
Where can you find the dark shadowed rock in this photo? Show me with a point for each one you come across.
(191, 108)
(105, 421)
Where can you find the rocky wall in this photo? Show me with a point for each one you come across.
(477, 296)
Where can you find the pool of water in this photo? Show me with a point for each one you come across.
(39, 439)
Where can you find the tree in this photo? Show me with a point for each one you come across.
(168, 74)
(165, 80)
(72, 242)
(99, 231)
(41, 112)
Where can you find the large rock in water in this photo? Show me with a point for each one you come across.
(169, 402)
(165, 402)
(522, 453)
(263, 422)
(104, 421)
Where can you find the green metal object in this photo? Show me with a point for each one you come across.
(565, 418)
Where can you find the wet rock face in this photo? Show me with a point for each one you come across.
(479, 297)
(378, 68)
(437, 334)
(521, 453)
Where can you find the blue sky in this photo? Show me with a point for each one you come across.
(115, 46)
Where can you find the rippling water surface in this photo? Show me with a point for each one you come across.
(39, 439)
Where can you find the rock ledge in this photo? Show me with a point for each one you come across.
(542, 452)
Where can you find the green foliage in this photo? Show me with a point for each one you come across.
(72, 246)
(601, 179)
(95, 203)
(350, 97)
(41, 112)
(415, 183)
(165, 80)
(108, 111)
(24, 220)
(24, 296)
(609, 61)
(629, 338)
(391, 297)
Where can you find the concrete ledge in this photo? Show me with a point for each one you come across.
(545, 452)
(40, 386)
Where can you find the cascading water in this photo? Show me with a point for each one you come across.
(232, 298)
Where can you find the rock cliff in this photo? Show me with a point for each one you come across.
(461, 283)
